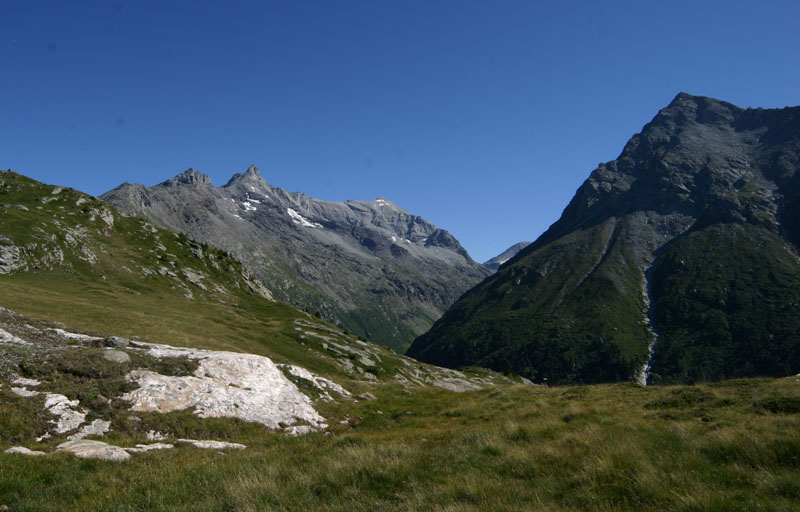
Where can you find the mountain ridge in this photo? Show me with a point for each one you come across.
(701, 172)
(369, 266)
(494, 263)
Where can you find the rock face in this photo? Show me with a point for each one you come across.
(226, 384)
(494, 263)
(9, 258)
(370, 266)
(678, 261)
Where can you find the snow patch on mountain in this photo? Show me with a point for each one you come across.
(299, 219)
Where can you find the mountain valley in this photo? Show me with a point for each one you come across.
(143, 369)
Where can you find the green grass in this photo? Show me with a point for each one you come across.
(602, 447)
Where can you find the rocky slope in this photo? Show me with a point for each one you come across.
(494, 263)
(369, 266)
(45, 229)
(678, 261)
(110, 324)
(72, 258)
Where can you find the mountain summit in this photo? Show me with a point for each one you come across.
(494, 263)
(370, 266)
(678, 261)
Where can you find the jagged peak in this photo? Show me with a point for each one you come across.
(685, 102)
(188, 177)
(251, 176)
(682, 97)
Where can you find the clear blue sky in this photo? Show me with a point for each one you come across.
(483, 117)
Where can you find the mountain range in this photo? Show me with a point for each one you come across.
(676, 262)
(368, 266)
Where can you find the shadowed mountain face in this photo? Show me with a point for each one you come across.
(677, 261)
(373, 268)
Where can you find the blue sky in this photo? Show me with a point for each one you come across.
(483, 117)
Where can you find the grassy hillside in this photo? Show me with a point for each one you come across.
(731, 313)
(732, 446)
(577, 320)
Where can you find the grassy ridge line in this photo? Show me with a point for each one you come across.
(729, 446)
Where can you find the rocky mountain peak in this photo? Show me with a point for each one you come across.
(352, 262)
(699, 109)
(494, 263)
(664, 266)
(251, 177)
(188, 177)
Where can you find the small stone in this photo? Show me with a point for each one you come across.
(116, 342)
(155, 435)
(299, 430)
(94, 450)
(21, 450)
(141, 448)
(366, 396)
(21, 381)
(213, 445)
(134, 419)
(116, 356)
(24, 392)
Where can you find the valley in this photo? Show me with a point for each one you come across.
(144, 369)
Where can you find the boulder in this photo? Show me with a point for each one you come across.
(116, 356)
(94, 450)
(116, 342)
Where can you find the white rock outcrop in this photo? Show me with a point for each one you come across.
(322, 384)
(226, 384)
(10, 259)
(94, 450)
(23, 392)
(21, 450)
(22, 381)
(95, 428)
(63, 407)
(213, 445)
(72, 336)
(7, 337)
(141, 448)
